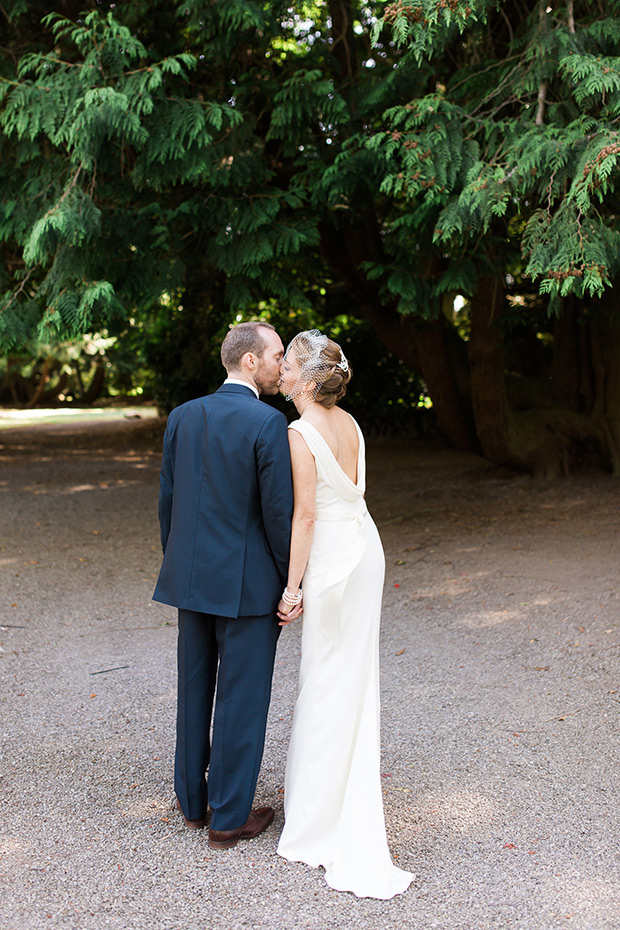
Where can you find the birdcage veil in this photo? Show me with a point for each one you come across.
(307, 350)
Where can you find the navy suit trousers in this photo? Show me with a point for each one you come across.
(239, 654)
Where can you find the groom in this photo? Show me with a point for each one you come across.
(225, 508)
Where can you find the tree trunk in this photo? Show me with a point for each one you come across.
(605, 341)
(51, 394)
(48, 366)
(437, 368)
(12, 372)
(543, 440)
(424, 346)
(95, 388)
(571, 374)
(492, 416)
(343, 49)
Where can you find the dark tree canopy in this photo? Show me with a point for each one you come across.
(167, 165)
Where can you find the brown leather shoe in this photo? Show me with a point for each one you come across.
(191, 824)
(259, 820)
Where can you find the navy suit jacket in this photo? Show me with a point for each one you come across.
(225, 505)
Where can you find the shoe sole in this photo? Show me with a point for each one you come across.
(228, 844)
(190, 824)
(224, 844)
(194, 824)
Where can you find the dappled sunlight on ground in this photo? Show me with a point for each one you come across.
(485, 618)
(11, 416)
(500, 718)
(152, 806)
(12, 846)
(459, 811)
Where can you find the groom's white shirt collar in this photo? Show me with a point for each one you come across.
(243, 383)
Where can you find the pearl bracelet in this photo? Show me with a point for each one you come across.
(292, 599)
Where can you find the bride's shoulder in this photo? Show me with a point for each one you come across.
(299, 428)
(347, 422)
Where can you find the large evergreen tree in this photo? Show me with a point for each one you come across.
(224, 153)
(509, 165)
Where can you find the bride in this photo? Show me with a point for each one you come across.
(333, 805)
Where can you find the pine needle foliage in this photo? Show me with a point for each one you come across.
(522, 135)
(126, 161)
(401, 149)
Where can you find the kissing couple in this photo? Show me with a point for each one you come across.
(262, 524)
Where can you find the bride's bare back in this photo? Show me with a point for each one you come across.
(339, 432)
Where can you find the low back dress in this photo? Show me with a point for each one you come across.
(333, 801)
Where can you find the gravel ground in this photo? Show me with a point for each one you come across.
(500, 702)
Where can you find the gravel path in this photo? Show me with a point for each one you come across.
(500, 703)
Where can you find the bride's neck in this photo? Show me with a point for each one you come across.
(302, 402)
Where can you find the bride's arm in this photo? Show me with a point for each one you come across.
(302, 531)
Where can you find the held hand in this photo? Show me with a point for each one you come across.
(287, 613)
(290, 606)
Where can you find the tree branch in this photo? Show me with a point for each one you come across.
(343, 48)
(542, 97)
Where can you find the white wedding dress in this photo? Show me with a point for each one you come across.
(332, 803)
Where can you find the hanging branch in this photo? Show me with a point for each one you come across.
(542, 90)
(542, 97)
(343, 48)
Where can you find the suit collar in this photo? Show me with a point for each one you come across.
(243, 383)
(236, 387)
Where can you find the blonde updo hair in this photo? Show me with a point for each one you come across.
(330, 377)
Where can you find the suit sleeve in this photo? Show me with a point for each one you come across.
(166, 484)
(276, 488)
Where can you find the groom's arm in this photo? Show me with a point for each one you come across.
(276, 487)
(166, 485)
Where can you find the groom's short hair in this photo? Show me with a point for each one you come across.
(242, 338)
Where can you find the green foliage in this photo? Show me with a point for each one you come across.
(428, 25)
(306, 96)
(72, 221)
(221, 157)
(595, 80)
(134, 167)
(520, 140)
